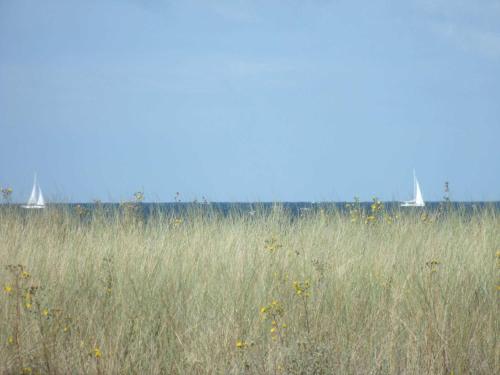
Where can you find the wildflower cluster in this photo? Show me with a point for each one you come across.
(133, 210)
(272, 245)
(177, 221)
(28, 298)
(21, 276)
(376, 211)
(96, 352)
(355, 210)
(273, 310)
(241, 344)
(26, 306)
(446, 196)
(302, 288)
(432, 265)
(6, 194)
(138, 196)
(23, 294)
(274, 313)
(302, 291)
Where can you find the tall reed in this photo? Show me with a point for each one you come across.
(202, 293)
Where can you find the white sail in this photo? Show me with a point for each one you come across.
(419, 200)
(40, 202)
(33, 197)
(36, 199)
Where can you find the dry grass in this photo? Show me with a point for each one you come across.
(215, 295)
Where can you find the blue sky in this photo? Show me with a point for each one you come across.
(240, 100)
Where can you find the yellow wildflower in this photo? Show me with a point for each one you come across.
(7, 289)
(301, 289)
(272, 245)
(45, 312)
(433, 263)
(26, 370)
(97, 352)
(273, 330)
(25, 275)
(240, 344)
(275, 308)
(10, 340)
(29, 305)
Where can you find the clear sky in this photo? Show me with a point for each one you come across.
(241, 100)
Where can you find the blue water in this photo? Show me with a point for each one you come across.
(293, 208)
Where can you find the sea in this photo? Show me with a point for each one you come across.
(294, 209)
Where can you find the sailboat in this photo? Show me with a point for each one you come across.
(418, 200)
(36, 199)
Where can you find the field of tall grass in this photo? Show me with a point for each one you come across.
(269, 293)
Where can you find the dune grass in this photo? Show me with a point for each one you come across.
(322, 293)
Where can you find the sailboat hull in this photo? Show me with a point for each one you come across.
(32, 206)
(412, 204)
